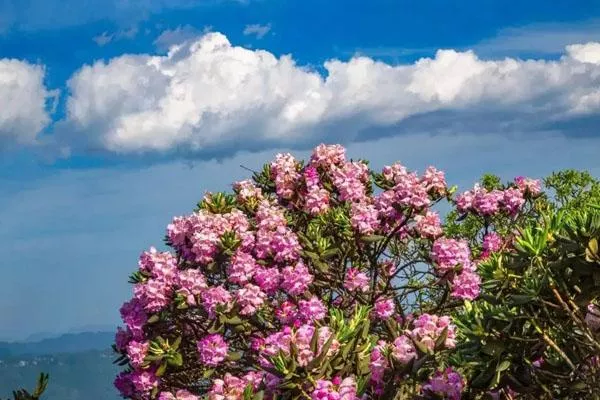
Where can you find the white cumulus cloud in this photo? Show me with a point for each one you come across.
(208, 95)
(23, 97)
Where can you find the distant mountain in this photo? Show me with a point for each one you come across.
(86, 375)
(67, 343)
(79, 364)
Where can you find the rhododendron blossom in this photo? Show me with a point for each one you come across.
(320, 280)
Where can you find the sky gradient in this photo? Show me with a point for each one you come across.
(116, 116)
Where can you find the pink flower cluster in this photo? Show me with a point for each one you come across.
(212, 350)
(356, 280)
(530, 186)
(492, 242)
(300, 338)
(316, 198)
(284, 171)
(448, 254)
(232, 387)
(428, 328)
(197, 237)
(483, 202)
(247, 190)
(335, 389)
(448, 384)
(179, 395)
(137, 381)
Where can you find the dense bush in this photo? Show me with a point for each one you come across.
(325, 280)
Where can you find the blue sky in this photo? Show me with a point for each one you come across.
(116, 115)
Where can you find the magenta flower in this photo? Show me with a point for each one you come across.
(212, 350)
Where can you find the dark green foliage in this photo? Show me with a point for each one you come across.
(527, 330)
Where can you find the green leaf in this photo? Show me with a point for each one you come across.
(234, 355)
(372, 238)
(208, 373)
(259, 396)
(441, 340)
(591, 252)
(503, 366)
(161, 370)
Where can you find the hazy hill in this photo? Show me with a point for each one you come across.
(67, 343)
(80, 366)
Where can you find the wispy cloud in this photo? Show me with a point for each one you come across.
(178, 36)
(257, 30)
(105, 38)
(539, 39)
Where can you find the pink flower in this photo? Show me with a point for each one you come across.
(492, 242)
(162, 266)
(191, 283)
(144, 380)
(296, 280)
(212, 350)
(179, 395)
(529, 186)
(434, 181)
(512, 201)
(313, 309)
(403, 349)
(335, 390)
(316, 199)
(229, 388)
(326, 156)
(247, 190)
(449, 253)
(448, 384)
(487, 203)
(241, 268)
(378, 365)
(267, 279)
(214, 297)
(124, 384)
(364, 218)
(427, 328)
(250, 298)
(134, 316)
(283, 169)
(428, 225)
(287, 313)
(466, 285)
(384, 308)
(349, 180)
(154, 294)
(356, 280)
(122, 338)
(137, 351)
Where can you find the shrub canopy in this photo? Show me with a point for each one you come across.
(327, 280)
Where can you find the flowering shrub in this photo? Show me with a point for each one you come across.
(318, 280)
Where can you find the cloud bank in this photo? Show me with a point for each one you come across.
(207, 96)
